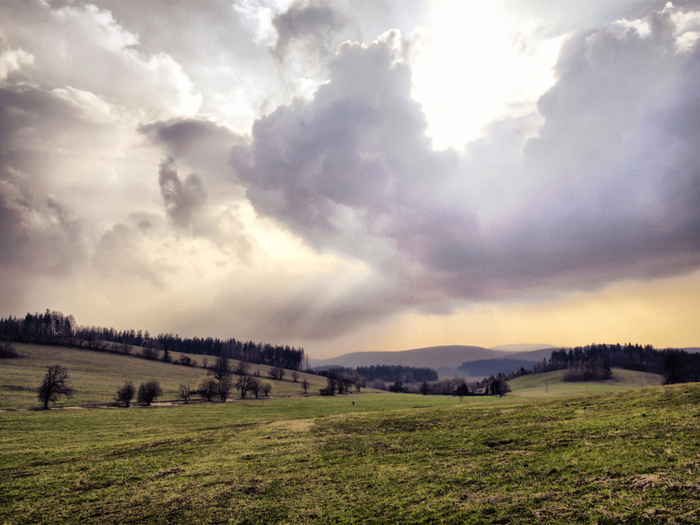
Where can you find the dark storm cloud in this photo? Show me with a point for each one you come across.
(608, 190)
(182, 198)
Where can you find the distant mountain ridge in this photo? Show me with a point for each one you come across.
(435, 357)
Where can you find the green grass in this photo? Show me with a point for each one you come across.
(551, 384)
(630, 457)
(96, 376)
(550, 452)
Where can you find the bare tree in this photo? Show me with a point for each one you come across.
(207, 387)
(221, 368)
(149, 392)
(224, 388)
(186, 392)
(277, 372)
(242, 368)
(255, 387)
(150, 353)
(125, 393)
(245, 384)
(295, 376)
(358, 381)
(266, 389)
(305, 385)
(55, 384)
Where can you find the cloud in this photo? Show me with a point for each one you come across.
(307, 24)
(207, 203)
(38, 230)
(42, 236)
(201, 144)
(12, 60)
(605, 190)
(123, 249)
(308, 34)
(63, 38)
(182, 198)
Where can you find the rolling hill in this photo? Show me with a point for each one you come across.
(446, 359)
(95, 376)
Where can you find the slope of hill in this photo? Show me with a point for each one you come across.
(446, 360)
(431, 357)
(95, 376)
(550, 384)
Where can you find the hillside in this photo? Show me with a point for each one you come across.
(96, 375)
(446, 360)
(551, 384)
(434, 357)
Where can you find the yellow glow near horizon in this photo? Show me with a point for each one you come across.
(660, 313)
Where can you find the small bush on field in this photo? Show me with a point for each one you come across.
(149, 392)
(125, 393)
(186, 391)
(150, 353)
(7, 351)
(208, 387)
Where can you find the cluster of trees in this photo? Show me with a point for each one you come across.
(389, 373)
(53, 327)
(148, 392)
(491, 386)
(340, 381)
(220, 382)
(595, 361)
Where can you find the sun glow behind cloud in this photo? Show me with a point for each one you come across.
(475, 63)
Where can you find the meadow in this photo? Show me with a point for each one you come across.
(96, 375)
(614, 457)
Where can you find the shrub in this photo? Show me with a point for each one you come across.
(7, 351)
(125, 393)
(208, 387)
(150, 353)
(186, 392)
(149, 392)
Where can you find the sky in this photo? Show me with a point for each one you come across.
(354, 175)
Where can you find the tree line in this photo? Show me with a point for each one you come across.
(595, 362)
(382, 373)
(54, 328)
(402, 379)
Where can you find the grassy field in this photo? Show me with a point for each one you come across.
(96, 375)
(551, 384)
(629, 457)
(609, 457)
